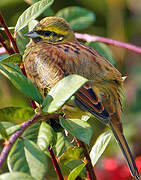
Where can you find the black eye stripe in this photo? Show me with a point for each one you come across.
(49, 33)
(44, 33)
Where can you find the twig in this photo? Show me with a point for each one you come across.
(55, 164)
(89, 38)
(89, 166)
(8, 34)
(9, 51)
(15, 136)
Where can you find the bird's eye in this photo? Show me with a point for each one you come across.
(47, 33)
(44, 33)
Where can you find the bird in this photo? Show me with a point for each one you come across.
(54, 53)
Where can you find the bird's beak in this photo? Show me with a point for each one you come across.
(32, 34)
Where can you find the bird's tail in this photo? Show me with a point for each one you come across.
(126, 151)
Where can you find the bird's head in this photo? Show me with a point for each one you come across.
(52, 30)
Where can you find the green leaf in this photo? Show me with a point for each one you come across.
(62, 144)
(26, 157)
(15, 176)
(75, 172)
(78, 128)
(16, 114)
(31, 133)
(2, 56)
(45, 136)
(22, 40)
(62, 92)
(72, 153)
(78, 18)
(32, 24)
(48, 12)
(104, 50)
(9, 127)
(31, 13)
(17, 158)
(21, 82)
(100, 146)
(14, 58)
(3, 131)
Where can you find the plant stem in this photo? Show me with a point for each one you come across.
(55, 164)
(89, 166)
(89, 38)
(15, 136)
(4, 25)
(9, 50)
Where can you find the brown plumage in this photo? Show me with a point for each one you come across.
(54, 53)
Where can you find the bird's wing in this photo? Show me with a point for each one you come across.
(87, 100)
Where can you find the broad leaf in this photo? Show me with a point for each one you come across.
(17, 159)
(76, 171)
(15, 176)
(48, 12)
(62, 144)
(21, 82)
(9, 127)
(31, 133)
(62, 92)
(45, 136)
(78, 18)
(26, 157)
(99, 147)
(72, 153)
(22, 40)
(104, 50)
(31, 13)
(16, 114)
(14, 58)
(3, 132)
(78, 128)
(32, 24)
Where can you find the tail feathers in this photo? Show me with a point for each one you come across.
(126, 151)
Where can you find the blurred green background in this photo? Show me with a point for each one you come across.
(115, 19)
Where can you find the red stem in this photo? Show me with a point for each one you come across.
(9, 51)
(89, 166)
(55, 164)
(8, 34)
(90, 38)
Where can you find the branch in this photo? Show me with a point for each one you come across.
(4, 25)
(89, 166)
(9, 143)
(2, 41)
(55, 164)
(90, 38)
